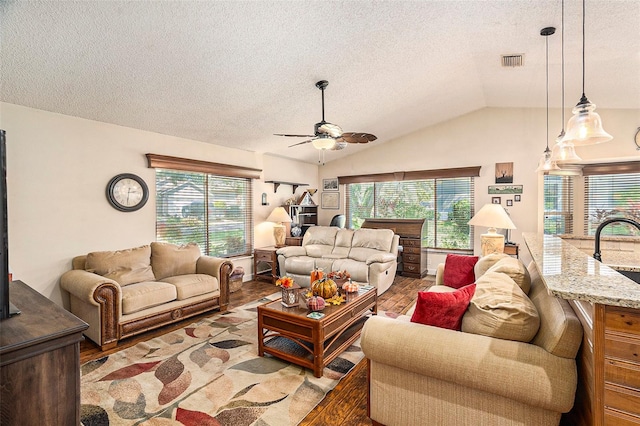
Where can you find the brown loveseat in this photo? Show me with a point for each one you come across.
(425, 375)
(125, 292)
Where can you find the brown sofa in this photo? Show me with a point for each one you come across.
(125, 292)
(425, 375)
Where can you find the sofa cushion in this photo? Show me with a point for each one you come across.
(486, 262)
(444, 310)
(515, 269)
(301, 265)
(500, 309)
(168, 260)
(342, 246)
(458, 270)
(359, 271)
(193, 285)
(139, 296)
(123, 266)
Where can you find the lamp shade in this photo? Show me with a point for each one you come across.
(492, 216)
(323, 142)
(279, 215)
(585, 127)
(563, 152)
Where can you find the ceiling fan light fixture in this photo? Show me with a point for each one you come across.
(323, 142)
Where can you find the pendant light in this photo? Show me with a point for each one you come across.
(585, 127)
(545, 164)
(563, 151)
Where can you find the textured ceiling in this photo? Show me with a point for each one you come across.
(233, 73)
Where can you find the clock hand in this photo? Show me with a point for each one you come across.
(128, 193)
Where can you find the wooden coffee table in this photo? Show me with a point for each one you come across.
(313, 343)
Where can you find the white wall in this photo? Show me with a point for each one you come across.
(483, 138)
(58, 169)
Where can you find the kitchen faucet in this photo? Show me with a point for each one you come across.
(597, 255)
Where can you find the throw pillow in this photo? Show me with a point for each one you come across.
(123, 266)
(444, 310)
(515, 269)
(458, 270)
(500, 309)
(170, 260)
(486, 262)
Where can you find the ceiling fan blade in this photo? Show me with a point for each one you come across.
(352, 137)
(301, 143)
(293, 136)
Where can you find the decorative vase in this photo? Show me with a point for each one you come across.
(289, 297)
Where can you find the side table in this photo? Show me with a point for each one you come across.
(512, 249)
(265, 264)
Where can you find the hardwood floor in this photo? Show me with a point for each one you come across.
(346, 404)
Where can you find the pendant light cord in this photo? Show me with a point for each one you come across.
(546, 43)
(583, 45)
(562, 55)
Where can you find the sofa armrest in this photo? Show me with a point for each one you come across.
(515, 370)
(381, 258)
(219, 268)
(291, 251)
(83, 285)
(440, 274)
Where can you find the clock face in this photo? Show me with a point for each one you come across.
(127, 192)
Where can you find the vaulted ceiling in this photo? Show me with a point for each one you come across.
(234, 73)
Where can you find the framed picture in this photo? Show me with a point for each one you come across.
(504, 172)
(495, 200)
(509, 203)
(330, 200)
(330, 184)
(516, 198)
(505, 189)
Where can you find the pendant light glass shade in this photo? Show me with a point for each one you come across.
(545, 163)
(564, 152)
(585, 127)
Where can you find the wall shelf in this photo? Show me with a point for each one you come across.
(277, 183)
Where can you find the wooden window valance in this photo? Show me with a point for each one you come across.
(188, 165)
(611, 168)
(473, 171)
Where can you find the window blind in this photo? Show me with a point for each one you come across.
(446, 204)
(558, 204)
(611, 195)
(212, 211)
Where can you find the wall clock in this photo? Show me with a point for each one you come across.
(637, 139)
(127, 192)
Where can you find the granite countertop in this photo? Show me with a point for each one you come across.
(572, 274)
(631, 238)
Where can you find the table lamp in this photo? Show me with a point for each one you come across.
(492, 216)
(279, 216)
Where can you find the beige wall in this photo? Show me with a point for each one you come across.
(483, 138)
(58, 169)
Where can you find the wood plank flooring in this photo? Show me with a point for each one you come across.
(346, 404)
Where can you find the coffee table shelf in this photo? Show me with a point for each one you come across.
(313, 343)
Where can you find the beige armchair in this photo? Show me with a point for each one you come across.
(126, 292)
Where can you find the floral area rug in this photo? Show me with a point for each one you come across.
(206, 374)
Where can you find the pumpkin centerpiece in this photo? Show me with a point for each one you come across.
(324, 287)
(350, 287)
(316, 303)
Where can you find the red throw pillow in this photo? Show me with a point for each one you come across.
(444, 310)
(458, 270)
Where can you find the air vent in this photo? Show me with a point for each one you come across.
(512, 60)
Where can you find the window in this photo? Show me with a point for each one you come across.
(611, 195)
(203, 202)
(445, 203)
(558, 204)
(213, 211)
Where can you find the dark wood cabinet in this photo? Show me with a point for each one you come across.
(39, 362)
(412, 260)
(265, 264)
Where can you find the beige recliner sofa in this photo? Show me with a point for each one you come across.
(125, 292)
(423, 375)
(369, 255)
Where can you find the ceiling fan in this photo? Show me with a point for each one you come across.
(328, 135)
